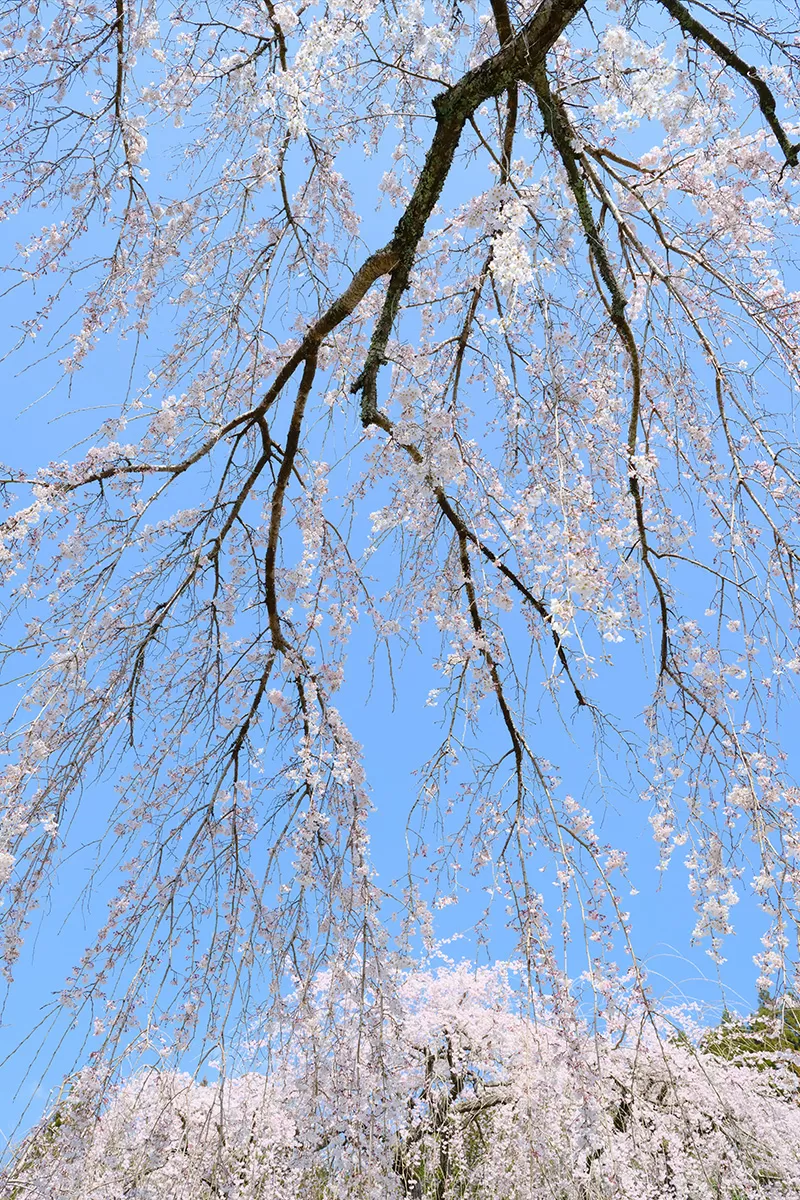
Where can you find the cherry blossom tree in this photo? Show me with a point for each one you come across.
(471, 324)
(475, 1100)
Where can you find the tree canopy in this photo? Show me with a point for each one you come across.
(463, 331)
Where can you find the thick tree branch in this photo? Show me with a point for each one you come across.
(505, 33)
(453, 109)
(279, 492)
(378, 264)
(766, 101)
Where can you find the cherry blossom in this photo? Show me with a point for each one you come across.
(455, 1093)
(467, 331)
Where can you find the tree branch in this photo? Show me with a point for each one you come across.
(766, 101)
(453, 109)
(557, 124)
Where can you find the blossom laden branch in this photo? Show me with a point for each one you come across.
(766, 100)
(453, 109)
(557, 125)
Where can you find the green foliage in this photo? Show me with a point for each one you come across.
(39, 1149)
(773, 1029)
